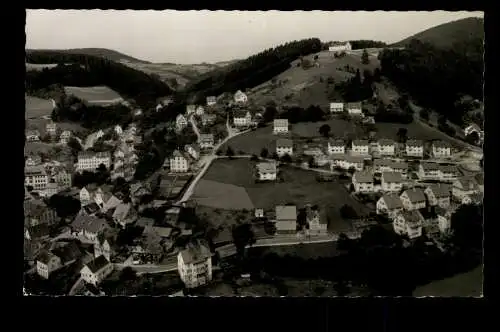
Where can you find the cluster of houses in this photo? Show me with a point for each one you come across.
(353, 108)
(46, 179)
(52, 131)
(339, 46)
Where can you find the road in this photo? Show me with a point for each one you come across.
(289, 241)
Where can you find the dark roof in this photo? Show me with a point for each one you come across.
(467, 182)
(413, 217)
(363, 177)
(479, 178)
(392, 201)
(283, 142)
(39, 231)
(44, 257)
(440, 144)
(144, 222)
(336, 142)
(195, 253)
(68, 252)
(414, 142)
(449, 169)
(440, 190)
(90, 223)
(240, 113)
(430, 166)
(97, 264)
(354, 105)
(386, 141)
(360, 142)
(90, 154)
(392, 177)
(91, 208)
(415, 195)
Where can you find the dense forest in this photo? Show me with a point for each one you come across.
(436, 78)
(87, 70)
(254, 70)
(361, 44)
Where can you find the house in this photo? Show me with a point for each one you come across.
(242, 118)
(97, 270)
(51, 189)
(193, 151)
(336, 146)
(408, 223)
(47, 263)
(180, 122)
(118, 130)
(346, 162)
(200, 110)
(208, 119)
(336, 107)
(178, 162)
(259, 213)
(280, 126)
(414, 148)
(38, 212)
(32, 136)
(103, 246)
(36, 177)
(401, 168)
(354, 108)
(90, 161)
(389, 204)
(284, 146)
(429, 171)
(413, 199)
(266, 171)
(63, 178)
(162, 232)
(37, 233)
(317, 225)
(441, 149)
(51, 128)
(321, 159)
(448, 173)
(108, 202)
(89, 227)
(472, 128)
(286, 219)
(211, 100)
(190, 109)
(391, 181)
(464, 186)
(443, 219)
(33, 160)
(90, 209)
(240, 97)
(386, 147)
(207, 141)
(340, 46)
(124, 214)
(438, 194)
(195, 265)
(85, 197)
(360, 147)
(363, 182)
(64, 137)
(68, 252)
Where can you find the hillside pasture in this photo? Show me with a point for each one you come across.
(37, 107)
(221, 195)
(39, 66)
(253, 142)
(95, 95)
(467, 284)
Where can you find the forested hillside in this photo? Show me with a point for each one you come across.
(254, 70)
(98, 52)
(90, 70)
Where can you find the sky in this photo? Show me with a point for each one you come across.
(188, 37)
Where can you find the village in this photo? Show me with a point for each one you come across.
(87, 220)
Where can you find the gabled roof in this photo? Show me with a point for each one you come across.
(266, 167)
(68, 252)
(177, 153)
(97, 264)
(363, 177)
(39, 231)
(122, 211)
(286, 212)
(413, 217)
(414, 143)
(145, 222)
(336, 142)
(195, 253)
(90, 223)
(34, 170)
(440, 190)
(91, 208)
(479, 177)
(353, 105)
(240, 113)
(280, 122)
(284, 142)
(163, 232)
(383, 163)
(429, 166)
(360, 142)
(449, 169)
(392, 177)
(468, 182)
(392, 201)
(416, 195)
(45, 256)
(206, 137)
(386, 141)
(441, 144)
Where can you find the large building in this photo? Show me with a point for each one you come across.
(36, 177)
(280, 126)
(178, 162)
(284, 146)
(363, 182)
(386, 147)
(90, 161)
(195, 265)
(441, 149)
(415, 148)
(340, 46)
(336, 107)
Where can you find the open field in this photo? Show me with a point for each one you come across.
(218, 189)
(303, 251)
(467, 284)
(37, 66)
(37, 107)
(95, 95)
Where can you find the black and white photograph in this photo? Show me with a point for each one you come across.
(253, 153)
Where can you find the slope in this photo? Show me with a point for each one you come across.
(445, 35)
(98, 52)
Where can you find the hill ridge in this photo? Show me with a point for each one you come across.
(99, 52)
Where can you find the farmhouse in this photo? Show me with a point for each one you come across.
(211, 100)
(362, 182)
(178, 162)
(286, 219)
(180, 122)
(64, 137)
(408, 223)
(242, 118)
(360, 147)
(441, 149)
(438, 194)
(413, 199)
(90, 161)
(266, 171)
(32, 136)
(195, 265)
(386, 147)
(336, 107)
(190, 109)
(336, 146)
(346, 162)
(206, 141)
(354, 108)
(389, 204)
(428, 171)
(193, 151)
(414, 148)
(448, 173)
(36, 177)
(464, 187)
(208, 119)
(97, 270)
(240, 97)
(280, 126)
(340, 46)
(284, 146)
(392, 181)
(47, 263)
(51, 128)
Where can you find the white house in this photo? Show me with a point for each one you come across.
(444, 219)
(178, 162)
(429, 171)
(118, 129)
(389, 204)
(36, 177)
(207, 141)
(266, 171)
(32, 136)
(47, 263)
(64, 137)
(284, 146)
(193, 151)
(360, 147)
(363, 182)
(242, 118)
(195, 265)
(336, 107)
(386, 147)
(413, 199)
(414, 148)
(280, 126)
(408, 223)
(180, 122)
(190, 109)
(286, 219)
(51, 128)
(346, 162)
(211, 100)
(96, 271)
(391, 182)
(317, 225)
(340, 46)
(240, 97)
(200, 110)
(90, 161)
(448, 173)
(354, 108)
(336, 146)
(441, 149)
(438, 195)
